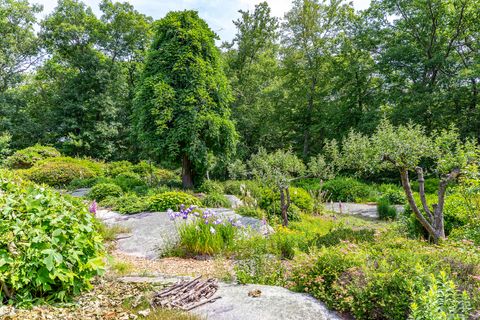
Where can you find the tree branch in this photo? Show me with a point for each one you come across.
(411, 201)
(421, 190)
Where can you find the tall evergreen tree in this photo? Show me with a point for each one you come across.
(182, 104)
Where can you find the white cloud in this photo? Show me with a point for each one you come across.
(218, 13)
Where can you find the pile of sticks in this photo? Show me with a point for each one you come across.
(187, 295)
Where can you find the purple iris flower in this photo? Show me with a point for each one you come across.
(93, 207)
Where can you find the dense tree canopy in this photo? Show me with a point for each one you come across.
(182, 105)
(285, 82)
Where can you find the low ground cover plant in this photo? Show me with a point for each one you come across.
(49, 249)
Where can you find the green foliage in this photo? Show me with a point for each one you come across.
(128, 203)
(49, 249)
(379, 280)
(215, 200)
(277, 168)
(247, 211)
(440, 300)
(103, 190)
(130, 181)
(60, 171)
(347, 190)
(237, 170)
(392, 194)
(260, 269)
(309, 184)
(5, 139)
(181, 107)
(302, 199)
(338, 235)
(431, 185)
(200, 238)
(113, 169)
(385, 210)
(26, 158)
(211, 186)
(171, 200)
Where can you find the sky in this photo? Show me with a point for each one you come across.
(219, 14)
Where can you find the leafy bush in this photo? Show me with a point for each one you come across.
(251, 212)
(309, 184)
(302, 199)
(115, 168)
(347, 190)
(211, 186)
(378, 280)
(130, 181)
(128, 203)
(26, 158)
(454, 214)
(216, 200)
(5, 139)
(270, 202)
(385, 210)
(470, 232)
(260, 269)
(171, 200)
(49, 248)
(392, 194)
(59, 172)
(440, 300)
(338, 235)
(239, 188)
(103, 190)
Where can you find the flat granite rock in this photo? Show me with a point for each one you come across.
(154, 232)
(274, 303)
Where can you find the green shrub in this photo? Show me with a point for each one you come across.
(26, 158)
(454, 214)
(49, 248)
(115, 168)
(392, 194)
(379, 280)
(440, 300)
(347, 190)
(61, 171)
(130, 181)
(431, 185)
(260, 269)
(171, 200)
(102, 190)
(211, 186)
(270, 202)
(128, 203)
(470, 232)
(309, 184)
(302, 199)
(251, 212)
(338, 235)
(240, 188)
(385, 210)
(216, 200)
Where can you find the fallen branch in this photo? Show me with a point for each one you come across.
(187, 295)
